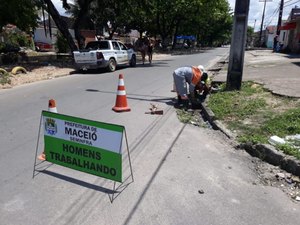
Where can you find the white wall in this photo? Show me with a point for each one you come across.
(40, 36)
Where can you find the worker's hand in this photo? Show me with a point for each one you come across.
(184, 97)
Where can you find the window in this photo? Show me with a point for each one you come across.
(123, 47)
(97, 45)
(115, 45)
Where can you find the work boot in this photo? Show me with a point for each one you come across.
(185, 104)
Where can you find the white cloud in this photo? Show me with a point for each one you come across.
(58, 6)
(271, 11)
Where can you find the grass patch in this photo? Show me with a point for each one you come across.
(289, 150)
(240, 104)
(5, 78)
(184, 116)
(255, 115)
(287, 123)
(192, 117)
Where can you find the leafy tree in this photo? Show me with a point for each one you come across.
(80, 11)
(209, 20)
(22, 13)
(214, 23)
(250, 36)
(61, 44)
(140, 16)
(186, 14)
(111, 14)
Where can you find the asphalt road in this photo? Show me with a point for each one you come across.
(171, 162)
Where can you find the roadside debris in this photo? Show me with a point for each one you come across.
(2, 71)
(291, 183)
(18, 69)
(275, 140)
(200, 191)
(273, 176)
(292, 140)
(155, 110)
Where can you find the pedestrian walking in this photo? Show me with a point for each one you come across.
(275, 42)
(150, 51)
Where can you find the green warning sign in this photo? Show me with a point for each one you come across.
(88, 146)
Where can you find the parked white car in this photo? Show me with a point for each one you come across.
(104, 54)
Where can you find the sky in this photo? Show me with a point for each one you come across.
(271, 11)
(255, 11)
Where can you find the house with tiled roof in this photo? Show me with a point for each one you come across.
(291, 28)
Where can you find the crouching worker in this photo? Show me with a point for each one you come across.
(191, 83)
(202, 89)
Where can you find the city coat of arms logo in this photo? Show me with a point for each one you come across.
(50, 126)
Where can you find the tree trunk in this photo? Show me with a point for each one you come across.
(175, 34)
(61, 24)
(84, 6)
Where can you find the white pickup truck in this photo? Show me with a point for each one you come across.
(104, 54)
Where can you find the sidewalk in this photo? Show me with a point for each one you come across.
(280, 73)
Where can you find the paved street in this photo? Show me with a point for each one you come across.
(277, 71)
(183, 174)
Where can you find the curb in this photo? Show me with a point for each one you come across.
(271, 155)
(265, 152)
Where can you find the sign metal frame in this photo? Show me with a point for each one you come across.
(100, 155)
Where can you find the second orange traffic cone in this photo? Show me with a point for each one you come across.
(51, 108)
(121, 101)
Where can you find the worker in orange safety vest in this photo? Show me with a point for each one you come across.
(190, 80)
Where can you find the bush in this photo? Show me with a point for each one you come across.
(7, 48)
(4, 78)
(13, 40)
(62, 44)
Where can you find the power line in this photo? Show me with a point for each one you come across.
(274, 12)
(288, 1)
(291, 3)
(271, 17)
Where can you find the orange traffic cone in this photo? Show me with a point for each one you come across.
(51, 108)
(121, 101)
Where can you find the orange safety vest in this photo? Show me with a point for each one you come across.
(197, 74)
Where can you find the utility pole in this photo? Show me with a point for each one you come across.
(237, 47)
(280, 17)
(262, 22)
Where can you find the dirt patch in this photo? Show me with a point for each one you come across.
(50, 71)
(270, 175)
(36, 73)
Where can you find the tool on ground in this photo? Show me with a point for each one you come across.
(154, 110)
